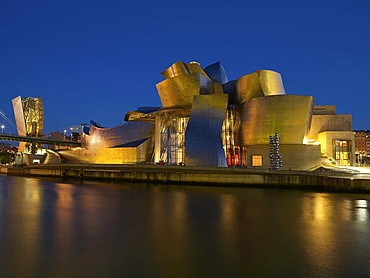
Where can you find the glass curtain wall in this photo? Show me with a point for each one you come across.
(173, 139)
(230, 127)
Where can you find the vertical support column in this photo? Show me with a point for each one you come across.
(157, 139)
(33, 147)
(169, 144)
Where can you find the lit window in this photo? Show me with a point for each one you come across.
(257, 160)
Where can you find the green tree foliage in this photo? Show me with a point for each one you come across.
(5, 158)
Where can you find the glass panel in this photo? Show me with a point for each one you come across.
(257, 160)
(173, 139)
(229, 128)
(342, 152)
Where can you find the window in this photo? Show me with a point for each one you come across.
(342, 152)
(257, 160)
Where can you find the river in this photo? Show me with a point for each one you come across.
(96, 229)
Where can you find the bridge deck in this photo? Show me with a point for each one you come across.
(29, 139)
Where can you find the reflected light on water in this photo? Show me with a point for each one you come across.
(319, 232)
(168, 226)
(327, 214)
(228, 222)
(26, 213)
(362, 210)
(63, 221)
(56, 230)
(317, 207)
(228, 217)
(32, 190)
(322, 209)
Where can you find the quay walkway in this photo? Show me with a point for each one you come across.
(321, 179)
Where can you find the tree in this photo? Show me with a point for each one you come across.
(5, 158)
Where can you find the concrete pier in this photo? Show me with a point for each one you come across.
(237, 177)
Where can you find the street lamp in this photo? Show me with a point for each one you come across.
(2, 128)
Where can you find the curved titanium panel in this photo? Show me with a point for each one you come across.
(139, 116)
(258, 84)
(288, 115)
(143, 114)
(271, 82)
(216, 88)
(99, 138)
(195, 68)
(203, 144)
(177, 69)
(217, 73)
(248, 87)
(179, 91)
(230, 89)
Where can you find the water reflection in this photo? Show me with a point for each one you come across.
(362, 210)
(50, 229)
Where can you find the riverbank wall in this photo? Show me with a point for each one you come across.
(238, 177)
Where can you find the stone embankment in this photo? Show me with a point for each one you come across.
(323, 180)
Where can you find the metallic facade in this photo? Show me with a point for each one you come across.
(271, 82)
(207, 120)
(258, 84)
(176, 69)
(99, 137)
(287, 115)
(178, 91)
(203, 143)
(217, 73)
(226, 116)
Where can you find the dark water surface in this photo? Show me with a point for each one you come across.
(51, 229)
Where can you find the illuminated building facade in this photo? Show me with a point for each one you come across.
(29, 118)
(334, 133)
(362, 145)
(207, 120)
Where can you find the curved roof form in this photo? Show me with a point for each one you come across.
(179, 90)
(258, 84)
(271, 82)
(99, 137)
(195, 68)
(139, 116)
(217, 73)
(184, 81)
(248, 87)
(177, 69)
(142, 114)
(96, 124)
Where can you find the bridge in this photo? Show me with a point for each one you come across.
(37, 140)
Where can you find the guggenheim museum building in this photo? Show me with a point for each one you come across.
(207, 120)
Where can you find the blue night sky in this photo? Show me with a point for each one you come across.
(96, 60)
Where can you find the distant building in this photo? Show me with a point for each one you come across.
(362, 145)
(207, 120)
(362, 141)
(76, 132)
(334, 133)
(29, 118)
(7, 148)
